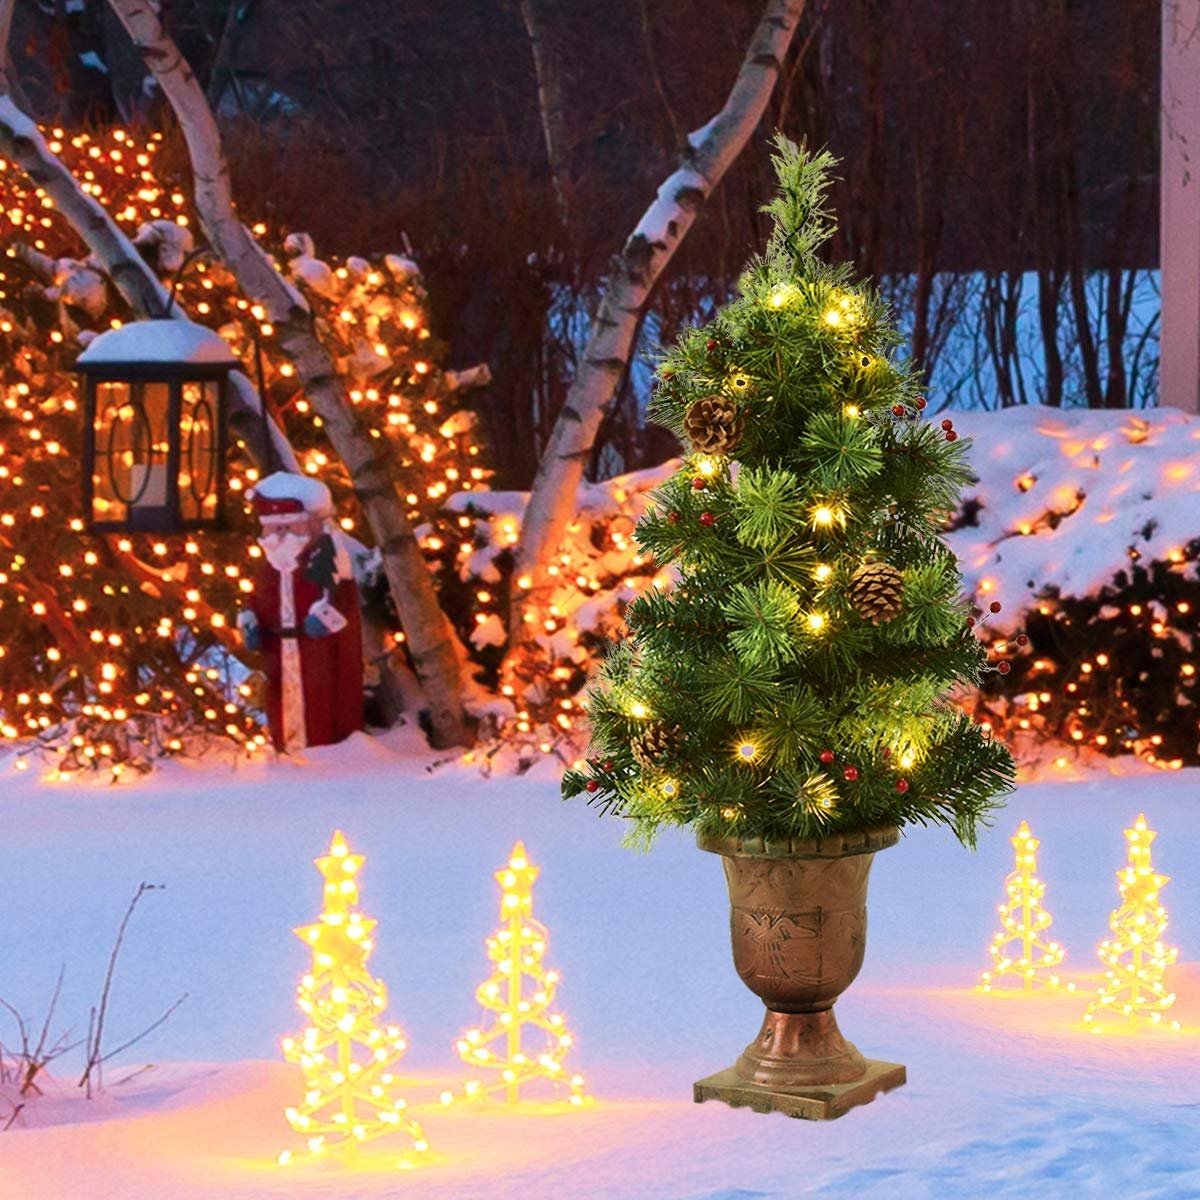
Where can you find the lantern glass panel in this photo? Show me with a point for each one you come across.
(129, 478)
(199, 459)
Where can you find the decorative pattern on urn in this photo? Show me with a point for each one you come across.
(798, 928)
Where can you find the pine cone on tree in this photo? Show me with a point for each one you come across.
(714, 425)
(655, 741)
(877, 592)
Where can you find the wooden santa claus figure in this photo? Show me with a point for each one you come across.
(304, 616)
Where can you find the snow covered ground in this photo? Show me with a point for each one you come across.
(1004, 1099)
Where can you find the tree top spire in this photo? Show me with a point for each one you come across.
(800, 210)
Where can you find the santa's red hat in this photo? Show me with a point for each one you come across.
(285, 495)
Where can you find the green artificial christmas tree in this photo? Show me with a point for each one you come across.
(793, 682)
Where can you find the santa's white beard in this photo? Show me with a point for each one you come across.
(283, 550)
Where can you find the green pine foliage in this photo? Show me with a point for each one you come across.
(802, 710)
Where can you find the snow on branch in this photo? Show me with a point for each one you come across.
(22, 141)
(469, 378)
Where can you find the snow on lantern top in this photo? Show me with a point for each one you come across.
(158, 343)
(155, 400)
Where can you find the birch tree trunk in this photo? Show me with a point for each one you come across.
(551, 102)
(8, 82)
(635, 271)
(10, 85)
(432, 642)
(22, 142)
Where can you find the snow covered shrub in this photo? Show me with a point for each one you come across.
(1085, 524)
(599, 570)
(116, 648)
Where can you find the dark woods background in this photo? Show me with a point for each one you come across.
(999, 166)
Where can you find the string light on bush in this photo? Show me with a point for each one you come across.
(1021, 955)
(1134, 992)
(345, 1054)
(520, 995)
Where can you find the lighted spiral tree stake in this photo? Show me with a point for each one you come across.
(1133, 992)
(1022, 957)
(345, 1054)
(520, 992)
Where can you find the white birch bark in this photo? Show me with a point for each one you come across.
(635, 272)
(22, 142)
(432, 641)
(1179, 226)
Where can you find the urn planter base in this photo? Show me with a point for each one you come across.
(798, 921)
(824, 1102)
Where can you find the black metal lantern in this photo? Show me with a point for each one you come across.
(155, 442)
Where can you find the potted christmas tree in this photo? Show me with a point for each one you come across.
(786, 697)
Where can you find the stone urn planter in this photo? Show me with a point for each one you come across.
(799, 924)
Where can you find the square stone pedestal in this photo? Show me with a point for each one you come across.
(825, 1103)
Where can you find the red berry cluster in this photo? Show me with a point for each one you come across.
(948, 428)
(901, 410)
(593, 785)
(1003, 666)
(850, 771)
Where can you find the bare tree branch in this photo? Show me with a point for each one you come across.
(635, 271)
(137, 1037)
(95, 1055)
(677, 134)
(432, 641)
(32, 1060)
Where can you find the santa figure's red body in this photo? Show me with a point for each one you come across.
(304, 619)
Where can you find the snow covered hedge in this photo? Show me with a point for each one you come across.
(1085, 525)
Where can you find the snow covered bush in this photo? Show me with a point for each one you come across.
(114, 649)
(598, 570)
(1083, 524)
